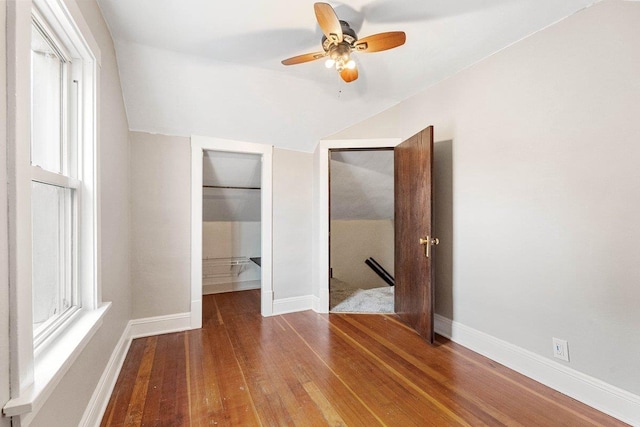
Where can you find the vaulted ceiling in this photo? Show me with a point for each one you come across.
(213, 67)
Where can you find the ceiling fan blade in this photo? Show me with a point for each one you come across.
(328, 21)
(381, 41)
(303, 58)
(349, 75)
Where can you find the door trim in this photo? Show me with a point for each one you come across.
(198, 145)
(321, 300)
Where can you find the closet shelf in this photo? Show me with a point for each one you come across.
(224, 267)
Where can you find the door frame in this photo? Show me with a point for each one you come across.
(321, 302)
(198, 145)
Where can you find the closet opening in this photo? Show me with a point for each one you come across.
(237, 190)
(231, 221)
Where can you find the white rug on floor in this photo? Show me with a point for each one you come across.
(376, 300)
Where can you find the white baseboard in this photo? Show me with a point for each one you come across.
(317, 306)
(158, 325)
(321, 302)
(98, 403)
(219, 288)
(290, 305)
(136, 328)
(598, 394)
(266, 302)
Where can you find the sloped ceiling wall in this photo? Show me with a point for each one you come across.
(221, 169)
(361, 184)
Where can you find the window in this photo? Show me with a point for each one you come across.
(54, 187)
(53, 196)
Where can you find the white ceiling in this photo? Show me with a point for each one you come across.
(213, 67)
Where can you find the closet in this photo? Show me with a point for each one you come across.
(231, 227)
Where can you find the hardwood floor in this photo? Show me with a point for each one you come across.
(309, 369)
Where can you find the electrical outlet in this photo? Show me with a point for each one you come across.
(560, 349)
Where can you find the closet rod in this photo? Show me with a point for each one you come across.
(231, 188)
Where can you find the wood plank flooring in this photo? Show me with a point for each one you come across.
(309, 369)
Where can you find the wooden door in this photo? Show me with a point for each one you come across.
(414, 289)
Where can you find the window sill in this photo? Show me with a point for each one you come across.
(53, 362)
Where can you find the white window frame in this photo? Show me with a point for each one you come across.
(36, 371)
(69, 142)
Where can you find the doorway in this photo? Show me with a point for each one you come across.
(361, 198)
(199, 145)
(413, 217)
(231, 255)
(321, 280)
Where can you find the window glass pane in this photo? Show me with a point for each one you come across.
(52, 280)
(46, 104)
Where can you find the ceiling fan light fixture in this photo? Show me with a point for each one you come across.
(339, 40)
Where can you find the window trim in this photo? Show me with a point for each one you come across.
(69, 176)
(34, 375)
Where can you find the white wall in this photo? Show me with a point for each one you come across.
(160, 233)
(352, 242)
(227, 239)
(292, 189)
(546, 189)
(4, 239)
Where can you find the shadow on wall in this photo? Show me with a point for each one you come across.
(443, 226)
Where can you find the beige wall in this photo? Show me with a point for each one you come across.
(161, 224)
(292, 188)
(75, 389)
(443, 226)
(545, 189)
(352, 242)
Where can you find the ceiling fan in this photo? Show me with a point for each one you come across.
(340, 40)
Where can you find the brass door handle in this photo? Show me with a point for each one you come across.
(428, 242)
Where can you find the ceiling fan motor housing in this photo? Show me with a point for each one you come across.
(348, 36)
